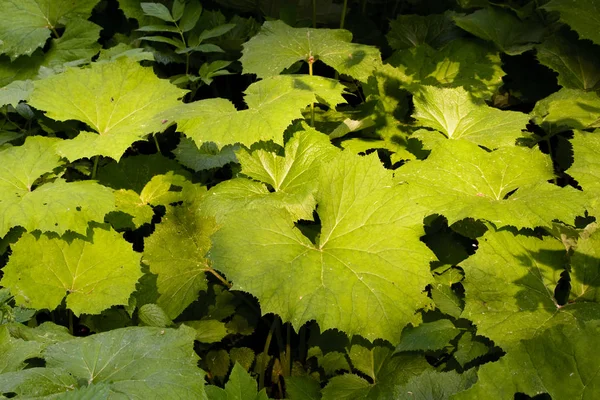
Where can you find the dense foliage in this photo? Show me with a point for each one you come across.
(238, 200)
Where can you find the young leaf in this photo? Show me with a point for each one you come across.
(510, 284)
(282, 46)
(25, 24)
(119, 100)
(41, 271)
(457, 115)
(344, 281)
(465, 181)
(157, 10)
(176, 253)
(582, 15)
(272, 104)
(500, 26)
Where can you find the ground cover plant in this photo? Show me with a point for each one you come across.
(304, 199)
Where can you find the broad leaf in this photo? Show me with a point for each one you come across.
(25, 24)
(567, 109)
(272, 105)
(350, 279)
(427, 336)
(460, 63)
(585, 269)
(457, 115)
(42, 271)
(500, 26)
(581, 15)
(560, 361)
(57, 206)
(16, 351)
(176, 253)
(461, 180)
(120, 100)
(408, 31)
(278, 46)
(207, 156)
(577, 62)
(15, 92)
(586, 166)
(510, 284)
(240, 386)
(37, 382)
(139, 362)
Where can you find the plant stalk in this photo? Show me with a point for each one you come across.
(265, 356)
(156, 143)
(314, 14)
(311, 61)
(343, 17)
(95, 168)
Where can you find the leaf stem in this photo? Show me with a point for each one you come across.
(156, 143)
(265, 355)
(311, 61)
(343, 17)
(219, 277)
(95, 169)
(314, 14)
(287, 368)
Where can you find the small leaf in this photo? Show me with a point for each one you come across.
(193, 10)
(157, 10)
(153, 315)
(427, 336)
(209, 330)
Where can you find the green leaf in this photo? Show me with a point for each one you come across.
(461, 180)
(96, 392)
(435, 385)
(583, 16)
(500, 26)
(46, 333)
(15, 92)
(119, 100)
(176, 253)
(567, 109)
(302, 388)
(350, 279)
(409, 30)
(37, 382)
(446, 300)
(208, 156)
(242, 386)
(586, 166)
(157, 10)
(193, 10)
(216, 32)
(153, 315)
(278, 46)
(427, 336)
(577, 62)
(40, 272)
(461, 63)
(136, 362)
(272, 104)
(560, 361)
(76, 46)
(369, 361)
(16, 351)
(585, 269)
(25, 24)
(469, 348)
(209, 330)
(457, 115)
(510, 284)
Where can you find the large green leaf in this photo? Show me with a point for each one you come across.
(364, 275)
(277, 46)
(240, 386)
(586, 166)
(273, 104)
(500, 26)
(410, 30)
(567, 109)
(120, 100)
(57, 206)
(94, 273)
(136, 362)
(16, 351)
(428, 336)
(577, 62)
(561, 361)
(582, 15)
(464, 181)
(25, 25)
(176, 253)
(457, 115)
(461, 63)
(585, 269)
(510, 284)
